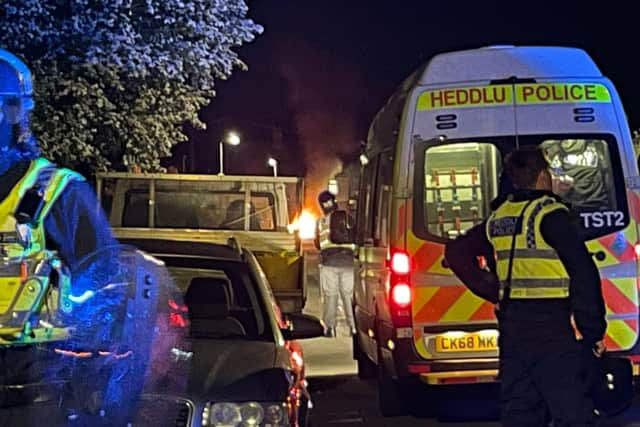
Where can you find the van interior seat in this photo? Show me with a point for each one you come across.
(209, 301)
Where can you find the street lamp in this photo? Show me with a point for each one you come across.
(274, 164)
(231, 139)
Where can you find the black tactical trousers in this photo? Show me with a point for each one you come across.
(547, 381)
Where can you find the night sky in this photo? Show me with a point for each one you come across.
(322, 69)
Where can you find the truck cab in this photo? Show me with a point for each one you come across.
(256, 210)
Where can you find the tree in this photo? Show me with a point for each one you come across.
(116, 80)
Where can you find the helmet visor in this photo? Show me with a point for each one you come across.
(11, 109)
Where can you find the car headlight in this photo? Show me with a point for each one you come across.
(225, 415)
(251, 414)
(248, 414)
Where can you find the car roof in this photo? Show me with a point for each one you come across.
(194, 249)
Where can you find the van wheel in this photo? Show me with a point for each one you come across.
(366, 368)
(390, 394)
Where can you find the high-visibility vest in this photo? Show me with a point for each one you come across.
(25, 263)
(536, 270)
(324, 233)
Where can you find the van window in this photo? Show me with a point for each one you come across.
(458, 180)
(365, 202)
(580, 172)
(382, 196)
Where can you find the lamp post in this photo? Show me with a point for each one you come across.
(231, 139)
(274, 164)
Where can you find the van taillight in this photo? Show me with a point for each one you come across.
(400, 291)
(400, 263)
(401, 295)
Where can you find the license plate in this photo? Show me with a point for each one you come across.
(467, 342)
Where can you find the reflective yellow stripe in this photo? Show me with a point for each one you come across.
(538, 283)
(59, 181)
(527, 253)
(534, 293)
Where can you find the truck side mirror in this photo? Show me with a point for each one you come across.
(340, 229)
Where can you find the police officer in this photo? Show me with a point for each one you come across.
(336, 269)
(540, 277)
(50, 224)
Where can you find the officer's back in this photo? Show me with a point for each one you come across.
(541, 276)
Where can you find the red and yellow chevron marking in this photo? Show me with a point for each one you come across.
(427, 256)
(619, 296)
(451, 303)
(621, 333)
(454, 303)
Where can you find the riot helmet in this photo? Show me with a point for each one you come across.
(16, 100)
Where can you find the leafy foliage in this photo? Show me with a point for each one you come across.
(117, 79)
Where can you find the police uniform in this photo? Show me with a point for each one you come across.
(541, 274)
(69, 228)
(336, 276)
(51, 227)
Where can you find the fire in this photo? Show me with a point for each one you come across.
(305, 225)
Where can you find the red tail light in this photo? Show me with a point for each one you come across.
(400, 291)
(400, 263)
(401, 295)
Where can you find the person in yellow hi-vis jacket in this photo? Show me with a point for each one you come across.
(540, 276)
(335, 270)
(69, 293)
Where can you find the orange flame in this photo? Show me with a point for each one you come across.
(305, 225)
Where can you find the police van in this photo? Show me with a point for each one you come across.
(433, 161)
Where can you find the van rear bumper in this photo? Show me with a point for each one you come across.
(403, 364)
(472, 376)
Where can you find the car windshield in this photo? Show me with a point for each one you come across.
(460, 178)
(222, 298)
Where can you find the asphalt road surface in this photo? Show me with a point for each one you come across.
(346, 401)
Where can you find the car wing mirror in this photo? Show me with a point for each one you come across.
(302, 326)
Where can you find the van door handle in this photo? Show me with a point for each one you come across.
(599, 255)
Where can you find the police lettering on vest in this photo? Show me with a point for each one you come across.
(536, 270)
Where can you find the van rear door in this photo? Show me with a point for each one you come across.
(453, 185)
(586, 147)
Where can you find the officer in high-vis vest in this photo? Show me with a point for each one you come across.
(336, 269)
(50, 225)
(540, 275)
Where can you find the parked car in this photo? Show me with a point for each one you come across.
(245, 367)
